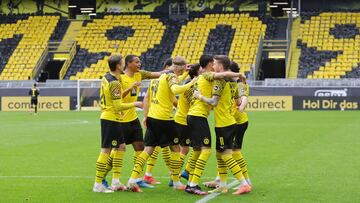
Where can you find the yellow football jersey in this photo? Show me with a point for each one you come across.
(224, 111)
(132, 96)
(110, 90)
(184, 104)
(241, 117)
(204, 84)
(161, 97)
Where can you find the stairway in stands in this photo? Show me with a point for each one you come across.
(70, 35)
(294, 51)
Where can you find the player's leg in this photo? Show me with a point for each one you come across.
(170, 136)
(183, 133)
(150, 142)
(225, 135)
(148, 178)
(201, 137)
(107, 127)
(35, 106)
(237, 155)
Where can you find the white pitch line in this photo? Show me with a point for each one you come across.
(74, 177)
(213, 195)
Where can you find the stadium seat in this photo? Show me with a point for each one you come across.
(329, 45)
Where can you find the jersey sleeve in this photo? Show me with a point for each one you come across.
(172, 79)
(236, 93)
(209, 76)
(145, 74)
(219, 86)
(115, 90)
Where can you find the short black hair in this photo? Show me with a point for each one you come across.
(194, 69)
(234, 67)
(113, 61)
(167, 62)
(34, 84)
(129, 58)
(205, 59)
(224, 60)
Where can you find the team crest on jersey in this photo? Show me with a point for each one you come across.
(187, 141)
(114, 143)
(206, 141)
(117, 93)
(216, 87)
(176, 140)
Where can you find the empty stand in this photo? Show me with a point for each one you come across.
(330, 45)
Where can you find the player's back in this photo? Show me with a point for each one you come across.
(183, 105)
(204, 84)
(162, 98)
(108, 111)
(227, 92)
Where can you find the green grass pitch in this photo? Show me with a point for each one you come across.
(292, 156)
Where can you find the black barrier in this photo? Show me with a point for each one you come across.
(326, 103)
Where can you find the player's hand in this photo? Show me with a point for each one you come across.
(197, 94)
(240, 109)
(136, 84)
(242, 76)
(144, 122)
(138, 104)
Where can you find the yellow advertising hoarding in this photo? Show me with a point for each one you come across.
(270, 103)
(44, 103)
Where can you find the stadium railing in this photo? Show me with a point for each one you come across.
(93, 83)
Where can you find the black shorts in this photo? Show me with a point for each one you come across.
(225, 137)
(132, 131)
(240, 132)
(34, 102)
(182, 132)
(200, 134)
(160, 133)
(111, 134)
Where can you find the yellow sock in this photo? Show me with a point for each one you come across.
(187, 165)
(192, 162)
(182, 159)
(117, 164)
(139, 165)
(101, 167)
(200, 166)
(175, 165)
(136, 154)
(242, 163)
(152, 160)
(233, 166)
(109, 162)
(166, 155)
(221, 168)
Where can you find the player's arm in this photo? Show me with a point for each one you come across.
(30, 92)
(242, 95)
(128, 90)
(146, 106)
(176, 88)
(115, 89)
(218, 90)
(228, 75)
(152, 75)
(213, 101)
(175, 102)
(243, 102)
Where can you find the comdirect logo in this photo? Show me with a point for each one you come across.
(44, 103)
(331, 93)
